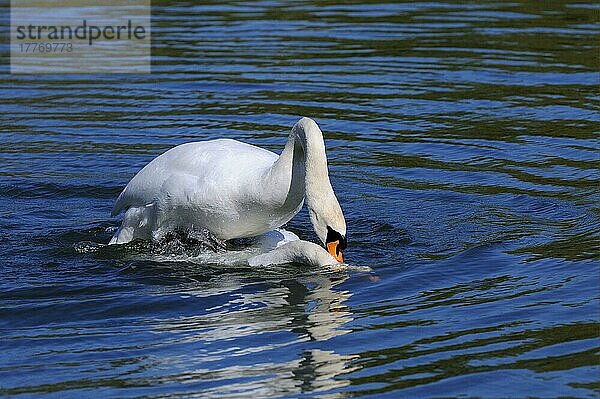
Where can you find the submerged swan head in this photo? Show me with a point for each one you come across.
(323, 207)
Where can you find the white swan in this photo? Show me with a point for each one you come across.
(297, 251)
(234, 190)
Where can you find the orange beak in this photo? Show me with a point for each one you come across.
(332, 249)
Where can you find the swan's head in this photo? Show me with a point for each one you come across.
(329, 224)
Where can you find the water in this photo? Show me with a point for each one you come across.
(462, 141)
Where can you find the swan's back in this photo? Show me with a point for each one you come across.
(217, 166)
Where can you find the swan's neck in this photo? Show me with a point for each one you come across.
(301, 173)
(303, 163)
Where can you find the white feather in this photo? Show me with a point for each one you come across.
(297, 251)
(232, 189)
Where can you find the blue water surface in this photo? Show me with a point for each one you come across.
(463, 146)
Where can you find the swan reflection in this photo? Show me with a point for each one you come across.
(281, 317)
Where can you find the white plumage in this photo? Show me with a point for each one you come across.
(232, 189)
(298, 251)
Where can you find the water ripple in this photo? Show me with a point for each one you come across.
(462, 143)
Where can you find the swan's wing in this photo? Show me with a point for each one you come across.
(216, 165)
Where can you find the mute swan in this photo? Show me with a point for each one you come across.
(298, 251)
(234, 190)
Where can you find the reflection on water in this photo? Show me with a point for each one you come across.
(233, 330)
(462, 143)
(307, 307)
